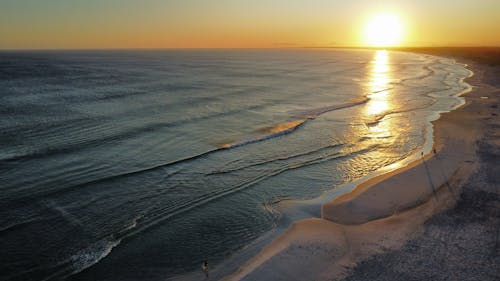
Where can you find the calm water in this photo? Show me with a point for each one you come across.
(138, 165)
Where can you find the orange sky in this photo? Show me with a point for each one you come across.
(34, 24)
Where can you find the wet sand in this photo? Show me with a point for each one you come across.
(436, 219)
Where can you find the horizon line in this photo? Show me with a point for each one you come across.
(249, 48)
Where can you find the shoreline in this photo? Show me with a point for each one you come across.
(350, 233)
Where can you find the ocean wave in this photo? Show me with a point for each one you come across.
(288, 127)
(20, 224)
(379, 117)
(78, 142)
(76, 263)
(429, 72)
(20, 196)
(266, 133)
(162, 215)
(270, 132)
(315, 112)
(92, 254)
(284, 158)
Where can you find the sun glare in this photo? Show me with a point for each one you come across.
(384, 30)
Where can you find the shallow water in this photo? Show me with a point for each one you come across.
(139, 165)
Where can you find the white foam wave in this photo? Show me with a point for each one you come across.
(93, 254)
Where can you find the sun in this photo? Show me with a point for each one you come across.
(383, 30)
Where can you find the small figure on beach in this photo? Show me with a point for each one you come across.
(204, 268)
(434, 151)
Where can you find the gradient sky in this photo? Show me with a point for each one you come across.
(40, 24)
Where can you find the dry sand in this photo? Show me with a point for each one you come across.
(436, 219)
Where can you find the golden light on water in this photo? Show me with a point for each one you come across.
(283, 126)
(381, 128)
(278, 128)
(379, 79)
(379, 83)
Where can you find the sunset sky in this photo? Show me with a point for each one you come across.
(37, 24)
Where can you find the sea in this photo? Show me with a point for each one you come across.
(141, 164)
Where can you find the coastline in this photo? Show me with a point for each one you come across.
(378, 216)
(461, 243)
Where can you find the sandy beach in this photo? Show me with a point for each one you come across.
(437, 218)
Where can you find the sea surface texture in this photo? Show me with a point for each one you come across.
(139, 165)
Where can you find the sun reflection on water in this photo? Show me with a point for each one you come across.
(379, 84)
(380, 98)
